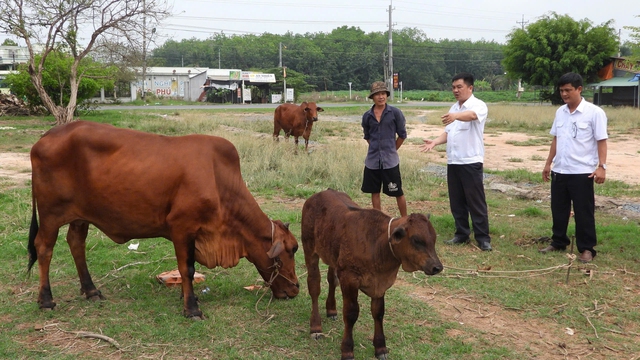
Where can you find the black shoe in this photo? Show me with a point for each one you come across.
(457, 241)
(550, 248)
(484, 245)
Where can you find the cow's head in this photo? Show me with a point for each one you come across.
(413, 242)
(281, 275)
(311, 110)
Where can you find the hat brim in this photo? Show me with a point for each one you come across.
(373, 93)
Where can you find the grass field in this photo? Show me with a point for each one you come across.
(507, 304)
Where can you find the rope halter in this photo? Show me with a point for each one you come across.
(389, 237)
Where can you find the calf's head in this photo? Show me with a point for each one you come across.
(413, 242)
(281, 275)
(311, 110)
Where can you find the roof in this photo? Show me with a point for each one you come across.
(616, 82)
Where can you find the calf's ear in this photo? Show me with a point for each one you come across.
(398, 233)
(275, 250)
(320, 109)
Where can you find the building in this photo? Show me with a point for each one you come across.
(620, 85)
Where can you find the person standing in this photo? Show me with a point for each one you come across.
(381, 124)
(579, 154)
(463, 134)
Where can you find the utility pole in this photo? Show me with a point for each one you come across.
(390, 73)
(520, 88)
(522, 23)
(280, 63)
(144, 47)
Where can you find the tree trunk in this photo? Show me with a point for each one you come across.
(62, 114)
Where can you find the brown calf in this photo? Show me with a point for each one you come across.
(364, 249)
(296, 121)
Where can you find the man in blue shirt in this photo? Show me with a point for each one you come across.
(381, 124)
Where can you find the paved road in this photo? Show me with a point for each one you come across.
(256, 106)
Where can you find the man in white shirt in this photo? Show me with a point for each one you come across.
(465, 156)
(579, 155)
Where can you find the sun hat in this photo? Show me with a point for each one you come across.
(377, 87)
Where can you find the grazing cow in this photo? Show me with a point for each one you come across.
(130, 184)
(364, 249)
(295, 120)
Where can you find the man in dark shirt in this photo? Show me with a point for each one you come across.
(382, 165)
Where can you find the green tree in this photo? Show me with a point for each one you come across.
(555, 45)
(55, 80)
(60, 25)
(635, 43)
(9, 42)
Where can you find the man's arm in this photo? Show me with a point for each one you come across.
(547, 166)
(600, 173)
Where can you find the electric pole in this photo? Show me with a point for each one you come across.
(520, 88)
(390, 73)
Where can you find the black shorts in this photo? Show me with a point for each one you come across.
(389, 179)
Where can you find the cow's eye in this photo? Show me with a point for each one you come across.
(295, 249)
(418, 241)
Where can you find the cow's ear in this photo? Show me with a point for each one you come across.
(276, 249)
(320, 109)
(398, 233)
(286, 225)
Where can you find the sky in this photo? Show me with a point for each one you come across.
(490, 20)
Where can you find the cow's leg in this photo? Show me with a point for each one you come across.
(379, 343)
(350, 313)
(44, 242)
(185, 254)
(76, 238)
(332, 313)
(306, 144)
(313, 284)
(276, 131)
(296, 141)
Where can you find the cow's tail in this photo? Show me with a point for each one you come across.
(33, 231)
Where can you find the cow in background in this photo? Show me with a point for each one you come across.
(364, 249)
(135, 185)
(295, 121)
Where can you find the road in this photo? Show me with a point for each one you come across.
(257, 106)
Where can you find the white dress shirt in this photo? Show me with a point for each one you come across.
(577, 135)
(465, 144)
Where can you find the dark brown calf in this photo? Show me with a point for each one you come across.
(364, 249)
(296, 121)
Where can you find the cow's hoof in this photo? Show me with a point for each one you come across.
(332, 316)
(96, 297)
(316, 336)
(193, 315)
(382, 356)
(47, 306)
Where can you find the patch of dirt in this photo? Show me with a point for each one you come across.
(502, 154)
(504, 327)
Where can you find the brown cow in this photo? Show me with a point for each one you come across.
(364, 249)
(131, 184)
(296, 121)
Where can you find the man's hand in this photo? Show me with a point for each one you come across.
(448, 118)
(546, 172)
(428, 145)
(600, 175)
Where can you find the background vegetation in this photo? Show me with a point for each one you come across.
(598, 302)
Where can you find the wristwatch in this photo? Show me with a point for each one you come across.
(604, 166)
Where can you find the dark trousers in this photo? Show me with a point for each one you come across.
(466, 197)
(576, 188)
